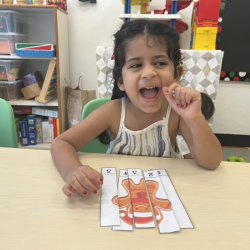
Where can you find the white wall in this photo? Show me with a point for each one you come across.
(91, 25)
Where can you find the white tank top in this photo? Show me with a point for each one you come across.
(151, 141)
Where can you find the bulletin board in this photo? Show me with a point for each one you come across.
(234, 39)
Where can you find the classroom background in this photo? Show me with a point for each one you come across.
(93, 24)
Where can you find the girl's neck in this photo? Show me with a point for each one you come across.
(135, 116)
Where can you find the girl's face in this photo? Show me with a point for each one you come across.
(146, 70)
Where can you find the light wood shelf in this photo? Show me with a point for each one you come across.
(44, 146)
(24, 102)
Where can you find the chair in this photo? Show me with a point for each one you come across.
(8, 134)
(95, 146)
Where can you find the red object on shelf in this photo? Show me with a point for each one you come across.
(180, 26)
(207, 11)
(180, 6)
(55, 127)
(22, 110)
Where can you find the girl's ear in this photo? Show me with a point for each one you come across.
(178, 73)
(120, 84)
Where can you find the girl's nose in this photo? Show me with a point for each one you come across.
(148, 72)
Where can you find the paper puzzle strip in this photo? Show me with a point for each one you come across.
(162, 206)
(143, 216)
(109, 211)
(177, 206)
(123, 200)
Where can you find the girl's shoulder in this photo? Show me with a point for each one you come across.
(113, 105)
(112, 109)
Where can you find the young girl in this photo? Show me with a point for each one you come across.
(147, 110)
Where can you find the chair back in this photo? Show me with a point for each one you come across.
(8, 133)
(95, 146)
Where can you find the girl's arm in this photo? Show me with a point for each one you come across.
(203, 144)
(64, 150)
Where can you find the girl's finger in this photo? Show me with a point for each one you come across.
(68, 190)
(182, 95)
(172, 88)
(91, 175)
(85, 181)
(177, 96)
(188, 97)
(99, 177)
(78, 186)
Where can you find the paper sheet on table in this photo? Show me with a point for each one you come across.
(143, 217)
(123, 200)
(177, 206)
(109, 211)
(162, 206)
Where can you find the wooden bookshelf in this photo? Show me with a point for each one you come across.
(48, 24)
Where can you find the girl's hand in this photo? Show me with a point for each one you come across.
(84, 180)
(186, 101)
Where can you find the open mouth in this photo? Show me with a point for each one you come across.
(149, 92)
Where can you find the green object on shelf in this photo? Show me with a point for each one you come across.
(235, 159)
(8, 134)
(95, 146)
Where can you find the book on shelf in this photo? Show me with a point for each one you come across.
(55, 127)
(45, 111)
(18, 118)
(22, 110)
(39, 132)
(45, 130)
(31, 129)
(24, 132)
(51, 129)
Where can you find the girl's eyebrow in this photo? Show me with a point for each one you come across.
(161, 56)
(155, 57)
(133, 59)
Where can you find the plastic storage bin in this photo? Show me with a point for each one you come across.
(11, 70)
(8, 40)
(11, 90)
(12, 22)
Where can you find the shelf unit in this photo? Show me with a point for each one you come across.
(46, 24)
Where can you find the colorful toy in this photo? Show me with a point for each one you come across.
(235, 159)
(60, 3)
(35, 50)
(162, 16)
(205, 24)
(172, 7)
(11, 69)
(13, 74)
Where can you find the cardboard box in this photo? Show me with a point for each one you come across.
(32, 90)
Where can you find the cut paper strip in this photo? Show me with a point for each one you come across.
(109, 211)
(143, 217)
(162, 206)
(123, 200)
(177, 206)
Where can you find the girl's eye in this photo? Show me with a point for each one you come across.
(135, 66)
(161, 63)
